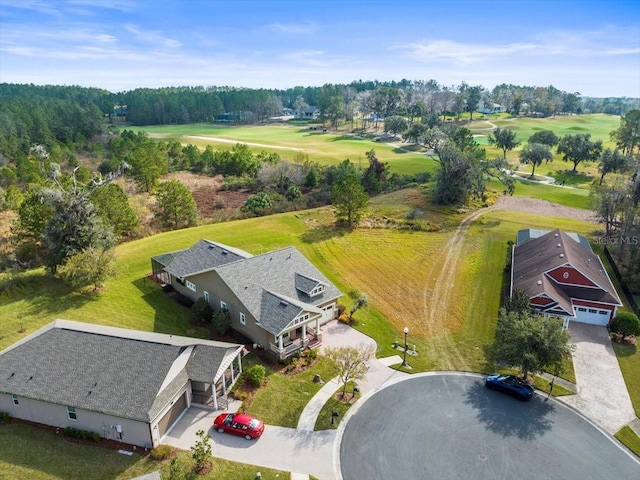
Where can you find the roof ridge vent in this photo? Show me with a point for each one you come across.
(539, 282)
(284, 303)
(556, 235)
(559, 245)
(224, 252)
(562, 255)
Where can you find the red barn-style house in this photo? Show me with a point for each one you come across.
(563, 277)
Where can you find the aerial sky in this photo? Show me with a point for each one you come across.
(587, 46)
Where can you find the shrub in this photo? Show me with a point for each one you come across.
(258, 204)
(81, 434)
(201, 311)
(221, 321)
(625, 323)
(256, 375)
(310, 355)
(161, 452)
(240, 395)
(4, 417)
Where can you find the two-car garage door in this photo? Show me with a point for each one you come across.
(594, 316)
(172, 414)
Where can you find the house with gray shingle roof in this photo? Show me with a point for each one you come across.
(279, 300)
(563, 277)
(126, 385)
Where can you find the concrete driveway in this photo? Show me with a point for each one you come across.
(450, 426)
(602, 394)
(336, 334)
(281, 448)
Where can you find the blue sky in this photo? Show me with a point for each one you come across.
(590, 47)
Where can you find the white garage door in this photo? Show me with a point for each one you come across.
(593, 316)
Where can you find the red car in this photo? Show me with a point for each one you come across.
(239, 424)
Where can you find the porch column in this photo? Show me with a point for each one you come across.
(280, 342)
(215, 396)
(304, 332)
(318, 324)
(224, 385)
(239, 357)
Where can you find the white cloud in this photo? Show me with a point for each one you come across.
(460, 53)
(293, 28)
(152, 36)
(604, 42)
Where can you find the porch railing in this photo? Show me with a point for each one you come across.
(297, 344)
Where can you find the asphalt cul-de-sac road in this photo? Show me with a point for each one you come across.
(451, 427)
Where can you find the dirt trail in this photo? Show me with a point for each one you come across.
(436, 300)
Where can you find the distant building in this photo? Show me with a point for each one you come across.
(490, 108)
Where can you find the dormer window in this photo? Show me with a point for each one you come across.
(317, 291)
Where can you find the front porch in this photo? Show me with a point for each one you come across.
(292, 341)
(214, 395)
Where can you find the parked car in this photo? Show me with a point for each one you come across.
(511, 385)
(239, 424)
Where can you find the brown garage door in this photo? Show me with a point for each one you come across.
(171, 416)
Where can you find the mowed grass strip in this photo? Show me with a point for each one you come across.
(30, 453)
(629, 438)
(629, 361)
(289, 142)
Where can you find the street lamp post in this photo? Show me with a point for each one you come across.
(406, 347)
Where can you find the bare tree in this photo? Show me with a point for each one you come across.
(350, 363)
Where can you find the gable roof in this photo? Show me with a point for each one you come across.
(263, 281)
(204, 255)
(541, 254)
(116, 371)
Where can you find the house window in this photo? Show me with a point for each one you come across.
(318, 290)
(223, 306)
(206, 296)
(71, 412)
(243, 321)
(593, 310)
(191, 286)
(15, 399)
(581, 309)
(603, 312)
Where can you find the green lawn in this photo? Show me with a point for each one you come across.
(326, 420)
(630, 439)
(291, 142)
(629, 360)
(284, 397)
(30, 453)
(598, 125)
(571, 197)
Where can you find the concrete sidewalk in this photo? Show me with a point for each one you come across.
(310, 413)
(336, 334)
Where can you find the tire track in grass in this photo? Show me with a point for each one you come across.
(437, 301)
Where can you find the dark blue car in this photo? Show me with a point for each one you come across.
(511, 385)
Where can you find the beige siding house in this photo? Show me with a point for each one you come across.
(278, 299)
(126, 385)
